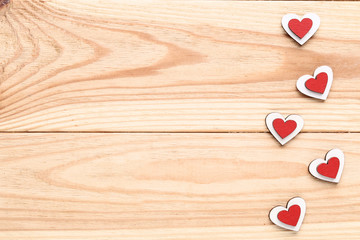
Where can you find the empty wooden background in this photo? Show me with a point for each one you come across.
(145, 119)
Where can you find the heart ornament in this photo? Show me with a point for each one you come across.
(329, 169)
(290, 217)
(284, 129)
(301, 29)
(317, 86)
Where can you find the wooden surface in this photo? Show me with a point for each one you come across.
(115, 120)
(118, 66)
(217, 186)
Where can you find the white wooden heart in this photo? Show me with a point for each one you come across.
(274, 214)
(315, 26)
(271, 117)
(300, 84)
(334, 153)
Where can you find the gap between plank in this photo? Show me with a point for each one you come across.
(166, 132)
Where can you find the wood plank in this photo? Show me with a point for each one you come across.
(228, 233)
(171, 186)
(172, 66)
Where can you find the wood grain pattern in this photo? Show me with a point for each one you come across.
(73, 66)
(161, 66)
(171, 186)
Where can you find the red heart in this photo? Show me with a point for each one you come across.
(317, 84)
(300, 28)
(329, 169)
(291, 216)
(284, 128)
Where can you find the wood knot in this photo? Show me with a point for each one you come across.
(4, 5)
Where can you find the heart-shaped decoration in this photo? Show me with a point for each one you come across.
(290, 217)
(317, 86)
(284, 129)
(329, 169)
(301, 29)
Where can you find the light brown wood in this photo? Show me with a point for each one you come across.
(178, 66)
(171, 186)
(171, 66)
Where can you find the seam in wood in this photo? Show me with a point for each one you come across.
(168, 132)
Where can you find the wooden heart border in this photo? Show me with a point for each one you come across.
(316, 24)
(332, 153)
(269, 124)
(300, 84)
(273, 215)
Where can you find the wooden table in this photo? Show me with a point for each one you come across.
(145, 120)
